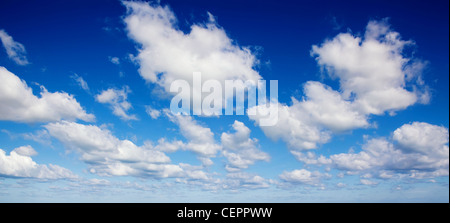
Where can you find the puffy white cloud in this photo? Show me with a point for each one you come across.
(311, 121)
(167, 53)
(200, 139)
(19, 164)
(244, 180)
(303, 176)
(15, 50)
(327, 108)
(418, 150)
(311, 158)
(25, 151)
(232, 181)
(117, 99)
(293, 128)
(374, 77)
(107, 155)
(372, 70)
(422, 137)
(239, 149)
(154, 113)
(195, 172)
(368, 182)
(166, 146)
(21, 105)
(413, 156)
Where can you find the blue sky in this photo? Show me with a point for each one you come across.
(362, 98)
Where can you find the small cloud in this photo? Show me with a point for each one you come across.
(80, 81)
(15, 50)
(154, 113)
(40, 136)
(368, 182)
(20, 164)
(114, 60)
(118, 101)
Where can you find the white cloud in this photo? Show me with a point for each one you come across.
(244, 180)
(368, 182)
(25, 151)
(21, 105)
(311, 158)
(312, 120)
(154, 113)
(107, 155)
(239, 149)
(303, 176)
(422, 137)
(114, 60)
(372, 69)
(195, 172)
(294, 128)
(117, 99)
(167, 54)
(15, 50)
(166, 146)
(374, 76)
(428, 158)
(418, 150)
(200, 139)
(80, 81)
(327, 108)
(19, 164)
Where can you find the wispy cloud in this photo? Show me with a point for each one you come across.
(15, 50)
(80, 81)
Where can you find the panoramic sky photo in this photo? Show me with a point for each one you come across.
(130, 101)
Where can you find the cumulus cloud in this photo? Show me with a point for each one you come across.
(241, 150)
(20, 164)
(418, 150)
(311, 158)
(422, 137)
(245, 180)
(25, 151)
(311, 121)
(117, 99)
(303, 176)
(372, 70)
(375, 77)
(15, 50)
(232, 181)
(21, 105)
(114, 60)
(107, 155)
(328, 109)
(200, 139)
(166, 53)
